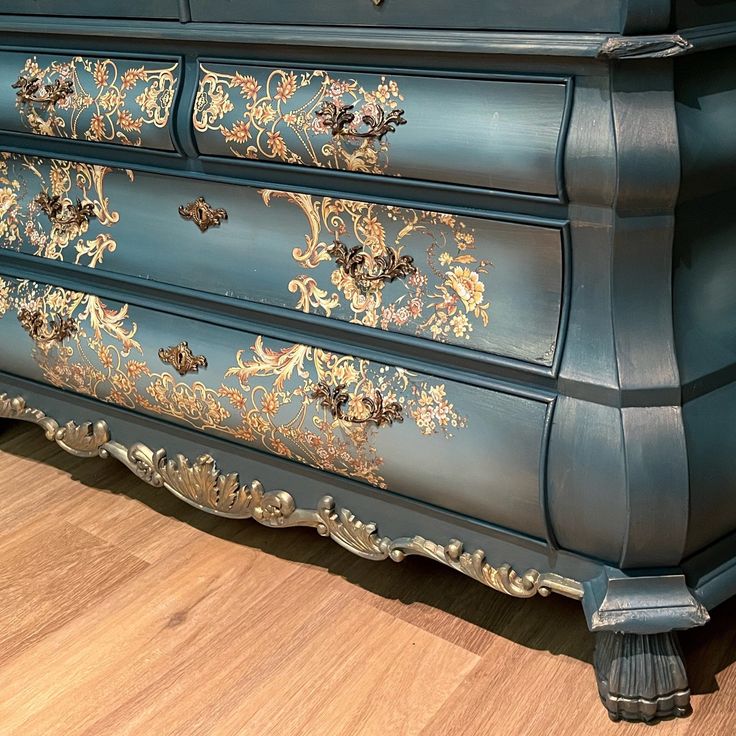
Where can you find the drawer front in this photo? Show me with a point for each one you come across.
(486, 284)
(483, 133)
(161, 9)
(467, 449)
(530, 15)
(89, 98)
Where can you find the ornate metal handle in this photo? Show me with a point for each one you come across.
(339, 118)
(182, 359)
(380, 412)
(35, 324)
(203, 215)
(65, 215)
(354, 262)
(31, 90)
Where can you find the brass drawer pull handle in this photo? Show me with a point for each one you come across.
(380, 412)
(35, 324)
(339, 118)
(65, 215)
(182, 359)
(389, 265)
(31, 90)
(203, 215)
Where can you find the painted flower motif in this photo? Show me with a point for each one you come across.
(336, 88)
(468, 286)
(276, 143)
(264, 113)
(4, 297)
(100, 74)
(59, 178)
(465, 239)
(383, 91)
(270, 403)
(131, 77)
(445, 259)
(239, 132)
(97, 127)
(8, 201)
(111, 100)
(105, 356)
(126, 121)
(460, 325)
(249, 86)
(286, 87)
(319, 127)
(137, 368)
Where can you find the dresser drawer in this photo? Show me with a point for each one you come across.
(494, 134)
(161, 9)
(435, 440)
(487, 284)
(89, 98)
(514, 15)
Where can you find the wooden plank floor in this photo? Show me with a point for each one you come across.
(124, 611)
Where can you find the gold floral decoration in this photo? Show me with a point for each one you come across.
(443, 299)
(111, 101)
(272, 114)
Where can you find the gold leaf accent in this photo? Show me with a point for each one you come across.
(15, 408)
(83, 440)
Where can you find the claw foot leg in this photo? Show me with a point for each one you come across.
(641, 677)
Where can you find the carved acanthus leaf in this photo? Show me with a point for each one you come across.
(83, 440)
(351, 533)
(14, 407)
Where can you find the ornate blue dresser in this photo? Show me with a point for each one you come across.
(455, 280)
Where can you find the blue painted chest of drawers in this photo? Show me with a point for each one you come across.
(465, 270)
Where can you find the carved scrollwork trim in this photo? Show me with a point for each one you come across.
(202, 484)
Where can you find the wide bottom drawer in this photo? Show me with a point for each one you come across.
(464, 448)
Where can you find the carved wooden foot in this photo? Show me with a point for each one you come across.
(641, 677)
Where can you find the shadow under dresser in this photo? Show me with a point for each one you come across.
(449, 280)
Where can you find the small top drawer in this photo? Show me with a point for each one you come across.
(161, 9)
(89, 98)
(480, 132)
(510, 15)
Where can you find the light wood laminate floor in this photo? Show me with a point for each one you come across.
(124, 611)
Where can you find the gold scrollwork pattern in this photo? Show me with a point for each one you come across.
(444, 298)
(106, 100)
(72, 213)
(274, 114)
(202, 484)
